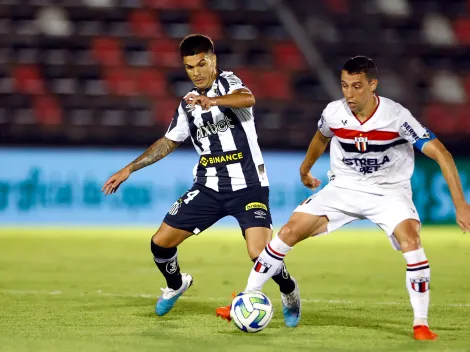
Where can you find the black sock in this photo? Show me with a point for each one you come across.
(167, 261)
(282, 278)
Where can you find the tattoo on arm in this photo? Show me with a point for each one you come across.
(155, 152)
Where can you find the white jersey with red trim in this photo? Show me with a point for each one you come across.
(374, 156)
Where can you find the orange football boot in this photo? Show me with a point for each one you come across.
(224, 312)
(422, 332)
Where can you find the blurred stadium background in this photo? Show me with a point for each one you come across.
(107, 73)
(87, 85)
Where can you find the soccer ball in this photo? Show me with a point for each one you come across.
(251, 311)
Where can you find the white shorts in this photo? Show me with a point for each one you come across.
(342, 206)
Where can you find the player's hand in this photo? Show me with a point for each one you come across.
(463, 217)
(113, 183)
(205, 102)
(309, 181)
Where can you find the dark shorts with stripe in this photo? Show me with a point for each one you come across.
(201, 207)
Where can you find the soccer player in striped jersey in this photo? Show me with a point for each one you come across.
(372, 160)
(229, 179)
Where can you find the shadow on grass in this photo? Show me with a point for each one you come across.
(199, 311)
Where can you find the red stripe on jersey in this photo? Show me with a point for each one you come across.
(371, 135)
(420, 263)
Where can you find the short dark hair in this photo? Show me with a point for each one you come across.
(361, 64)
(195, 44)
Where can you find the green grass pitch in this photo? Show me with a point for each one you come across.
(95, 290)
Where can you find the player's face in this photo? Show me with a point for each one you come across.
(201, 69)
(357, 90)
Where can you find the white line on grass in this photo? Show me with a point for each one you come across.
(30, 292)
(215, 299)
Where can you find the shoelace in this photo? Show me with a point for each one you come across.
(166, 291)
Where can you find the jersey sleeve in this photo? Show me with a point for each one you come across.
(411, 130)
(231, 82)
(179, 128)
(323, 126)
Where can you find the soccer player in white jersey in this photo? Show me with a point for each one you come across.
(372, 159)
(229, 178)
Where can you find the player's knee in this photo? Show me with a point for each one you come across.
(161, 241)
(407, 234)
(156, 239)
(290, 234)
(410, 242)
(168, 237)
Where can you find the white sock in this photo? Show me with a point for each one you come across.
(418, 277)
(267, 264)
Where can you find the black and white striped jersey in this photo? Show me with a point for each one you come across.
(226, 140)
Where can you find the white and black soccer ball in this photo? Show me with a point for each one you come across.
(251, 311)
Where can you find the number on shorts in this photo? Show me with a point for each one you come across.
(191, 196)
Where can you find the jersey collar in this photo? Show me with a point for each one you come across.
(372, 114)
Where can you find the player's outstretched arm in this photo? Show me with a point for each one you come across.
(238, 99)
(155, 152)
(315, 150)
(435, 150)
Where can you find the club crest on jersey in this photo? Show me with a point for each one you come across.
(215, 89)
(190, 108)
(261, 266)
(420, 284)
(361, 143)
